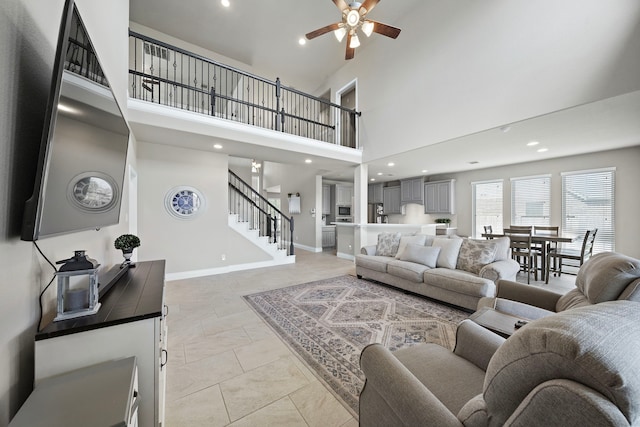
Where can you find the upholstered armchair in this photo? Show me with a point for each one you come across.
(606, 276)
(580, 367)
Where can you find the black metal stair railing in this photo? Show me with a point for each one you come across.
(253, 208)
(171, 76)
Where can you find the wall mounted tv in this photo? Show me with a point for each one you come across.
(83, 151)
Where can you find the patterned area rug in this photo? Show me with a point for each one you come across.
(330, 321)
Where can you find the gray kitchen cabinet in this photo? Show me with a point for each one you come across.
(375, 193)
(391, 200)
(328, 237)
(439, 197)
(326, 199)
(412, 191)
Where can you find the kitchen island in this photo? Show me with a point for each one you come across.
(350, 237)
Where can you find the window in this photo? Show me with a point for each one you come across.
(531, 200)
(487, 206)
(587, 203)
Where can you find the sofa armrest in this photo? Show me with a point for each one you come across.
(368, 250)
(476, 344)
(411, 402)
(498, 270)
(532, 295)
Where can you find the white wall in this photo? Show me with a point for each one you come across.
(627, 174)
(28, 35)
(187, 245)
(460, 67)
(299, 179)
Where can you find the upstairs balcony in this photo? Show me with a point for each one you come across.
(167, 75)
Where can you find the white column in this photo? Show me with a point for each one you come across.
(360, 194)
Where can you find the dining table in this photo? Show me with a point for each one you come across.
(544, 239)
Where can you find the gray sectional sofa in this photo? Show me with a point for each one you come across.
(455, 270)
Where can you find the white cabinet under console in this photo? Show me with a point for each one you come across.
(130, 322)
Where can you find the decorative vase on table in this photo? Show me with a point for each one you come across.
(127, 243)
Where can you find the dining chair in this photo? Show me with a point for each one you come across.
(522, 251)
(488, 230)
(545, 230)
(561, 255)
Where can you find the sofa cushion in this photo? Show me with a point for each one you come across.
(388, 244)
(572, 299)
(460, 281)
(418, 239)
(605, 275)
(425, 255)
(373, 262)
(449, 249)
(475, 254)
(407, 270)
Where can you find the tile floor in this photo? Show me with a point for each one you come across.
(227, 368)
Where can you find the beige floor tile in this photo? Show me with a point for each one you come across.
(229, 304)
(215, 344)
(246, 317)
(204, 408)
(319, 407)
(261, 352)
(261, 386)
(278, 414)
(258, 331)
(192, 377)
(351, 423)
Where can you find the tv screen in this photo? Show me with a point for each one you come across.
(83, 151)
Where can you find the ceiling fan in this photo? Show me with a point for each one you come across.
(353, 18)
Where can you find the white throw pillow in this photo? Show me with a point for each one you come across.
(449, 248)
(418, 239)
(426, 255)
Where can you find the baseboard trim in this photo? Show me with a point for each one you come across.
(307, 248)
(228, 269)
(342, 255)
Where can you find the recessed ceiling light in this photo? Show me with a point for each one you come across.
(391, 164)
(307, 160)
(302, 41)
(425, 170)
(379, 173)
(532, 143)
(225, 3)
(372, 179)
(542, 150)
(217, 146)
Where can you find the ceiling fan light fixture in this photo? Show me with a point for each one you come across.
(353, 18)
(340, 33)
(355, 42)
(367, 28)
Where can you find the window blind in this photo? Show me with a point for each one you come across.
(531, 200)
(487, 206)
(588, 202)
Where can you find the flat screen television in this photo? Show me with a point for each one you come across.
(83, 150)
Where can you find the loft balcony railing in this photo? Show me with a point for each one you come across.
(171, 76)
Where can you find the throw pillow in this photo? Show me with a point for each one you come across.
(503, 250)
(475, 254)
(405, 240)
(426, 255)
(449, 248)
(388, 244)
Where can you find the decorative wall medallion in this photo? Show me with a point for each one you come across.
(93, 192)
(184, 202)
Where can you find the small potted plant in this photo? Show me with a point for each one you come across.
(127, 243)
(443, 221)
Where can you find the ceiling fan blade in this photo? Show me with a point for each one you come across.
(351, 52)
(367, 6)
(323, 30)
(342, 5)
(385, 30)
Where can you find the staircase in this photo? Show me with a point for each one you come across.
(260, 222)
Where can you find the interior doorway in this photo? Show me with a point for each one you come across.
(347, 97)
